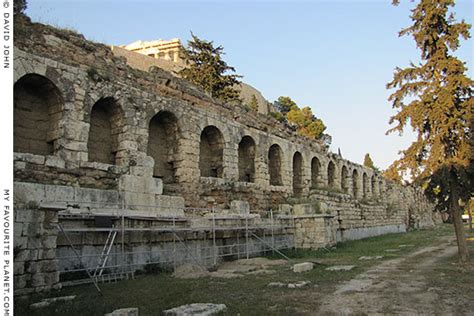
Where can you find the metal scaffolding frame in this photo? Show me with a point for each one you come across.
(244, 229)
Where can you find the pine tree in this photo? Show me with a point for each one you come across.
(207, 70)
(284, 104)
(253, 103)
(439, 108)
(368, 162)
(306, 123)
(19, 6)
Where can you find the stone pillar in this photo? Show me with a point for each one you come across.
(35, 267)
(176, 56)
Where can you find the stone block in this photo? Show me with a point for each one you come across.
(55, 162)
(285, 209)
(38, 279)
(26, 255)
(96, 196)
(34, 159)
(19, 165)
(26, 192)
(341, 268)
(24, 216)
(59, 193)
(202, 309)
(303, 209)
(124, 312)
(21, 242)
(303, 267)
(240, 207)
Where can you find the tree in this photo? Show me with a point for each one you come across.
(19, 6)
(392, 173)
(207, 70)
(439, 109)
(253, 103)
(284, 104)
(306, 123)
(368, 162)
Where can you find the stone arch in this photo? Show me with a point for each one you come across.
(163, 136)
(365, 185)
(106, 122)
(331, 174)
(297, 173)
(38, 106)
(211, 152)
(355, 183)
(274, 164)
(315, 169)
(344, 179)
(246, 157)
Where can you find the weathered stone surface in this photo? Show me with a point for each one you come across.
(303, 267)
(341, 268)
(133, 311)
(370, 257)
(240, 207)
(201, 309)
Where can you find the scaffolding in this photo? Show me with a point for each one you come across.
(199, 236)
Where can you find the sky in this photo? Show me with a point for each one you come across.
(334, 56)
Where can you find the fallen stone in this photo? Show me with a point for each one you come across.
(302, 283)
(40, 305)
(264, 271)
(298, 284)
(392, 250)
(404, 246)
(190, 271)
(133, 311)
(370, 257)
(201, 309)
(340, 268)
(276, 284)
(303, 267)
(47, 301)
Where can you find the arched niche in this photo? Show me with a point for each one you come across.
(106, 121)
(315, 169)
(163, 136)
(246, 157)
(38, 106)
(331, 174)
(274, 164)
(297, 173)
(344, 179)
(211, 153)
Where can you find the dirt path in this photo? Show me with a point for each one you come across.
(397, 286)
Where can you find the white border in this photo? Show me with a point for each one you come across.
(6, 160)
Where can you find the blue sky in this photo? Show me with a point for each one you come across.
(334, 56)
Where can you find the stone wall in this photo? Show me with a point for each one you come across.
(116, 138)
(35, 267)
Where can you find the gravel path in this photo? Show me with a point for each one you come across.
(397, 286)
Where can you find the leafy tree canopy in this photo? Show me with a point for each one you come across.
(435, 97)
(303, 120)
(207, 70)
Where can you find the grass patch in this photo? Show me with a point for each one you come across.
(248, 295)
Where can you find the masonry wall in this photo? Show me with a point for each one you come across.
(97, 149)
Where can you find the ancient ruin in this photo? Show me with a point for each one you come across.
(140, 157)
